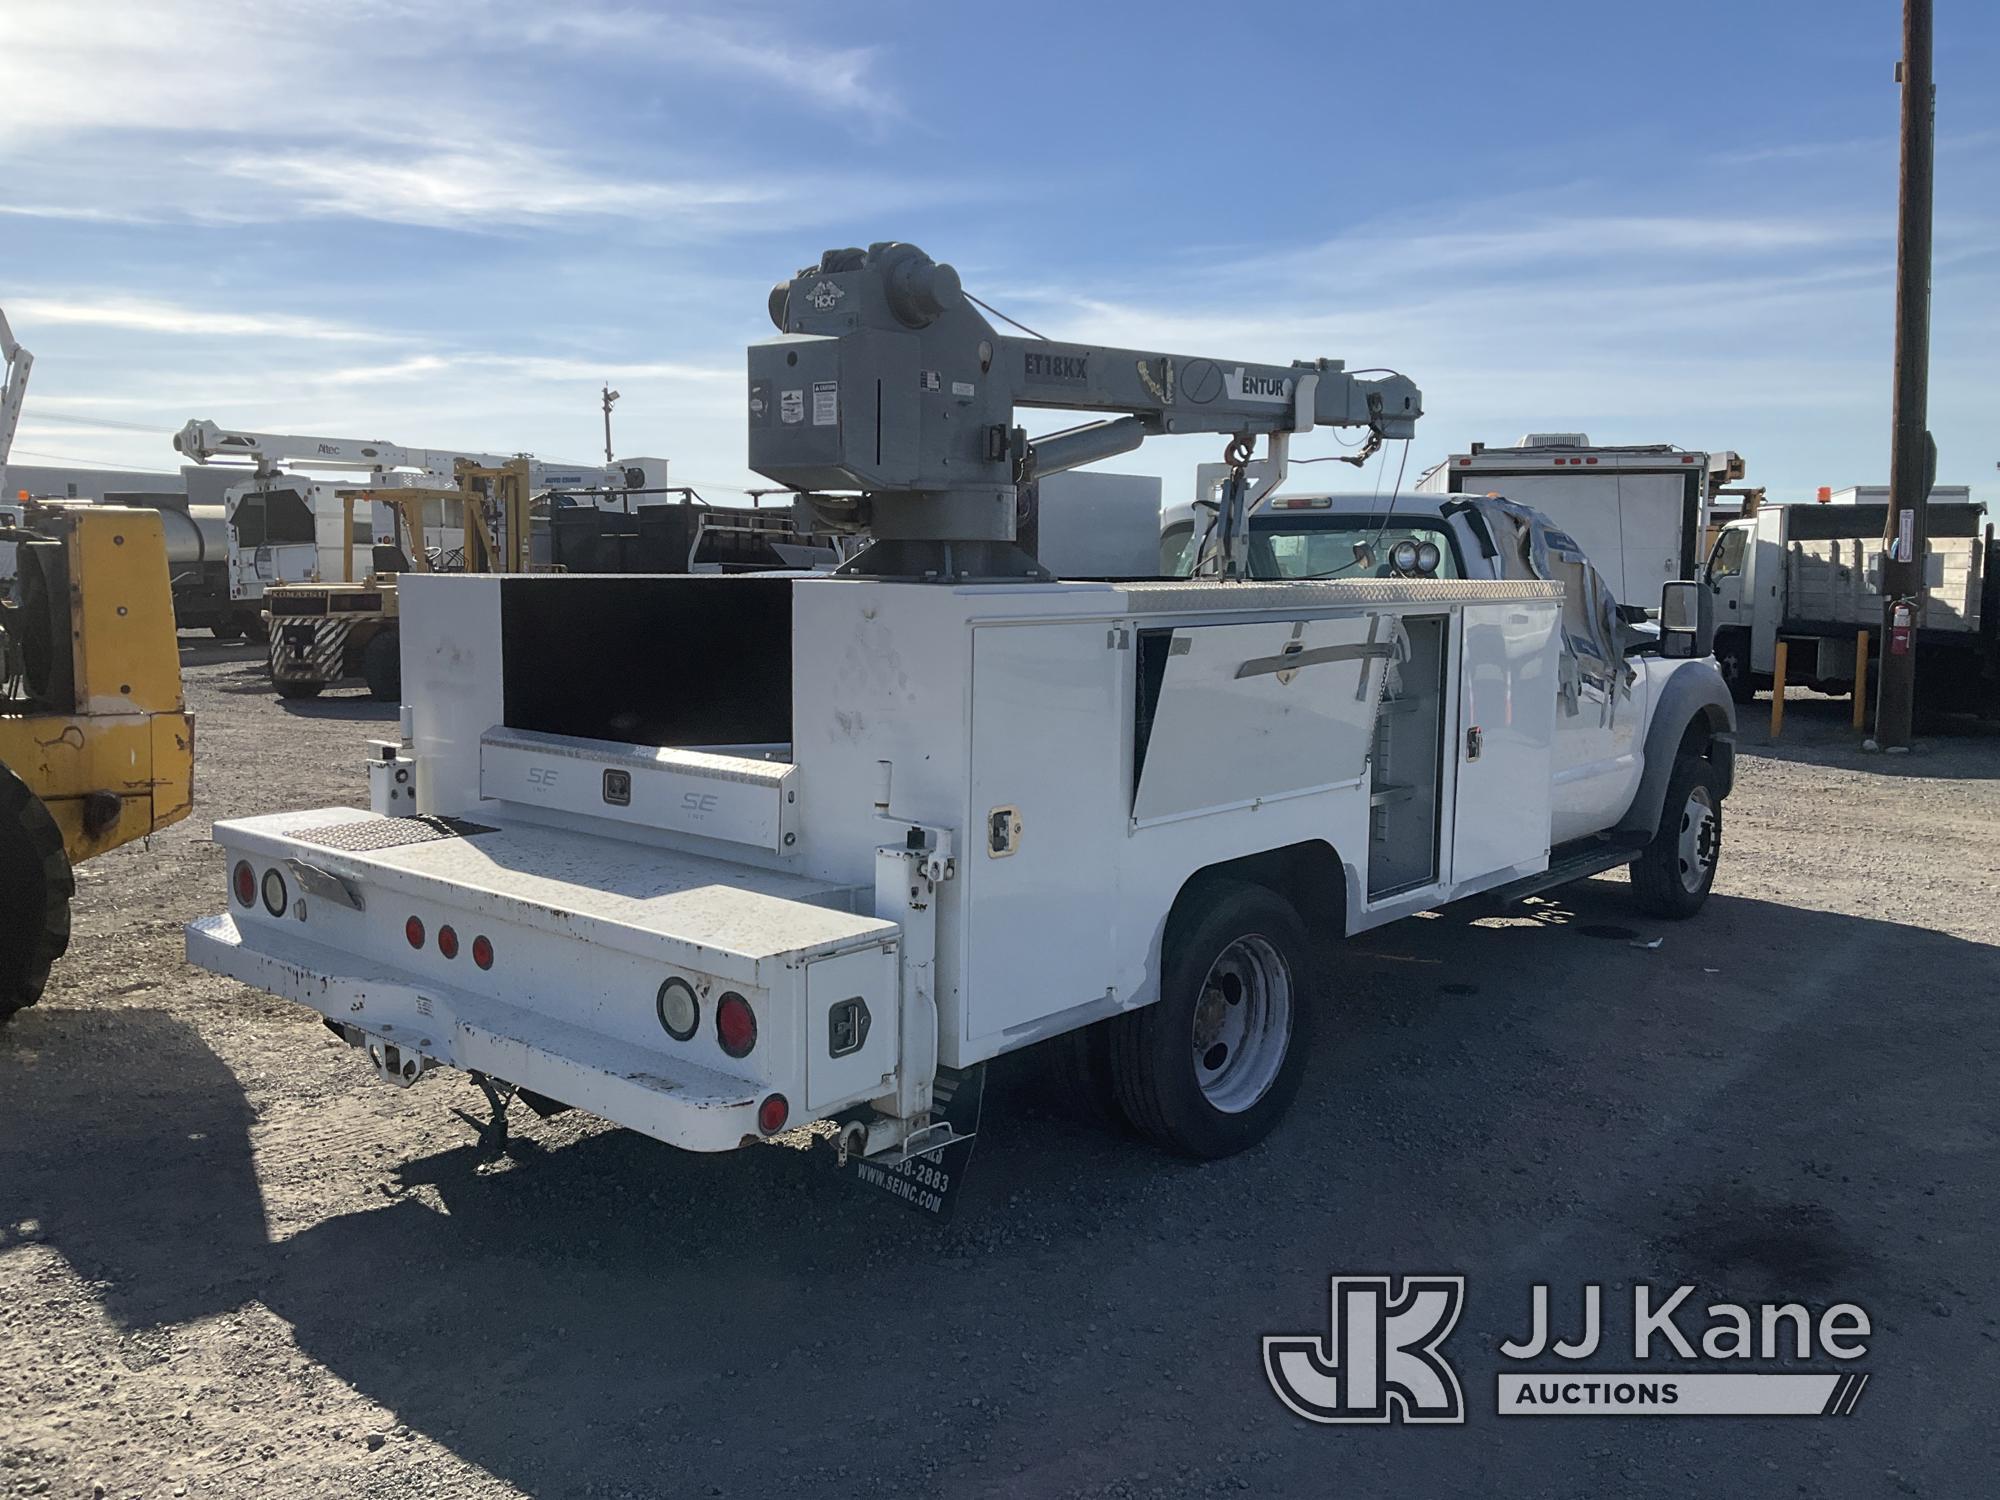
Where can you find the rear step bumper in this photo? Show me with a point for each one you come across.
(681, 1103)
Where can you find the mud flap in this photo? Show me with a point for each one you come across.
(929, 1178)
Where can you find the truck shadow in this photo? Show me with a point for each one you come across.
(1540, 1099)
(253, 680)
(152, 1199)
(205, 651)
(356, 707)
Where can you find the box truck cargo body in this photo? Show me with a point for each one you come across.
(1811, 576)
(1638, 512)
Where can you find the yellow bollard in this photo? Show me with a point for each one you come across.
(1778, 692)
(1861, 680)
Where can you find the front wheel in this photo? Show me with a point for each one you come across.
(36, 884)
(296, 690)
(1732, 658)
(1211, 1067)
(1674, 873)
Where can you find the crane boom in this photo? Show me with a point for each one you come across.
(886, 380)
(18, 363)
(206, 442)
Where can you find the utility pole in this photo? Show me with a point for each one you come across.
(1911, 458)
(609, 397)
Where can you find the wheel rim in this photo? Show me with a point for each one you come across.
(1700, 836)
(1242, 1024)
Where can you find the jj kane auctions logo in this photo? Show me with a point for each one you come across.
(1383, 1360)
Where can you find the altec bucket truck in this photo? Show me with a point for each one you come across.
(855, 835)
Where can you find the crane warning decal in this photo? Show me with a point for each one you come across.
(826, 403)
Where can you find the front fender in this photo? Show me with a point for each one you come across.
(1693, 694)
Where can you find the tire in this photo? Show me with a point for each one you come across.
(1733, 658)
(298, 689)
(382, 666)
(227, 630)
(1078, 1065)
(36, 884)
(1675, 872)
(1237, 964)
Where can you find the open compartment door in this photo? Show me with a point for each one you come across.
(1251, 713)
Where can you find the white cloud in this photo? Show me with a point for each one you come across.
(523, 368)
(460, 186)
(140, 315)
(837, 78)
(427, 112)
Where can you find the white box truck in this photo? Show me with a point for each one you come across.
(1637, 511)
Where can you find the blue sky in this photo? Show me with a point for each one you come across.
(443, 224)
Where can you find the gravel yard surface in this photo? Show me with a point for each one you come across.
(232, 1263)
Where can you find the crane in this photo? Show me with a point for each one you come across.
(268, 452)
(885, 379)
(18, 362)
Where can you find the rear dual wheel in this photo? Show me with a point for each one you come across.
(1211, 1067)
(36, 884)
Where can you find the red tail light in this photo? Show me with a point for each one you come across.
(414, 931)
(735, 1025)
(246, 883)
(482, 952)
(448, 942)
(772, 1114)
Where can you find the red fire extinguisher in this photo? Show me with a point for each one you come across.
(1899, 630)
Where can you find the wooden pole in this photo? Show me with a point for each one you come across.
(1861, 680)
(1910, 463)
(1778, 691)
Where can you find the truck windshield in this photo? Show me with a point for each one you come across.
(1302, 545)
(1727, 559)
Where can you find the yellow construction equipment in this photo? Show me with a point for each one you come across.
(96, 744)
(322, 634)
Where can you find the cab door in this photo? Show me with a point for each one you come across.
(1725, 574)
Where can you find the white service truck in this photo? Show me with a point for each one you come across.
(1811, 576)
(1638, 510)
(857, 834)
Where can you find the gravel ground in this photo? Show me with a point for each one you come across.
(230, 1261)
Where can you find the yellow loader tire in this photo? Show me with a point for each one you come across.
(36, 884)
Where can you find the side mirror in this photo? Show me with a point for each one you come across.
(1687, 620)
